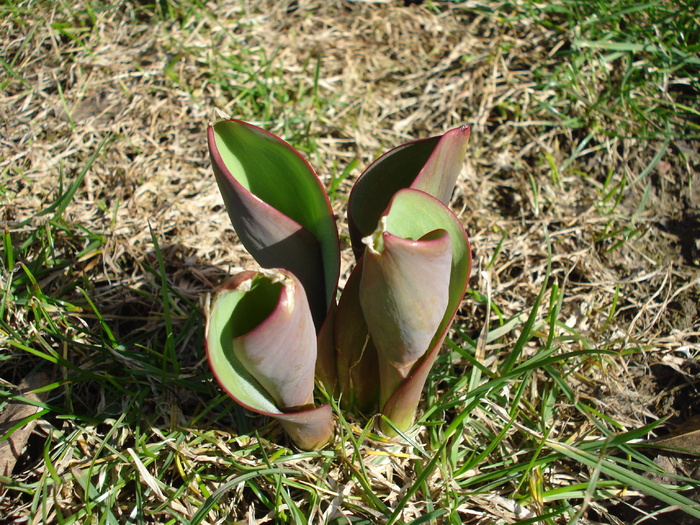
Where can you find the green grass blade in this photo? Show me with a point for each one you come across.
(628, 477)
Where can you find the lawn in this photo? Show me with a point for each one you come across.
(567, 388)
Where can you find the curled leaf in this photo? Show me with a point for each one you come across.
(261, 346)
(309, 429)
(415, 216)
(431, 165)
(278, 207)
(404, 294)
(264, 340)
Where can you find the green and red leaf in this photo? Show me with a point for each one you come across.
(404, 293)
(278, 207)
(356, 355)
(377, 345)
(431, 165)
(414, 215)
(261, 346)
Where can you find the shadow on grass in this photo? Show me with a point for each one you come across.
(122, 339)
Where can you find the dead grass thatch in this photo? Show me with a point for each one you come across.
(387, 73)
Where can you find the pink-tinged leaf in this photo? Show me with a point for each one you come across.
(430, 165)
(280, 352)
(278, 207)
(310, 429)
(404, 294)
(439, 175)
(402, 405)
(412, 215)
(261, 346)
(358, 372)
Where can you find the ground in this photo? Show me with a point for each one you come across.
(580, 194)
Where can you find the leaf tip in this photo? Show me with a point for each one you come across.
(219, 115)
(374, 241)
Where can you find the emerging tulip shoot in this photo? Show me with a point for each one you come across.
(260, 311)
(269, 332)
(404, 292)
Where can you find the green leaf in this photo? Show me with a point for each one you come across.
(357, 365)
(628, 477)
(412, 215)
(404, 293)
(261, 346)
(278, 207)
(431, 165)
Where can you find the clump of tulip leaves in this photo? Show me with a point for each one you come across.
(271, 333)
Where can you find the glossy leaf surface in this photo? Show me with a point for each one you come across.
(412, 215)
(431, 165)
(278, 207)
(404, 294)
(261, 346)
(264, 341)
(356, 355)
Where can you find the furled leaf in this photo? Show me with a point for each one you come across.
(404, 294)
(413, 215)
(309, 429)
(439, 175)
(261, 346)
(326, 356)
(431, 165)
(278, 207)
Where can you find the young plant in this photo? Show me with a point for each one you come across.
(269, 332)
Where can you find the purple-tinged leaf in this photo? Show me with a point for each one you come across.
(278, 207)
(326, 356)
(404, 294)
(439, 175)
(309, 429)
(431, 165)
(280, 352)
(261, 346)
(412, 215)
(357, 365)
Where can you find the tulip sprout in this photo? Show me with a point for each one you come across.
(270, 332)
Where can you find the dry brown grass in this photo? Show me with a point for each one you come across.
(387, 74)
